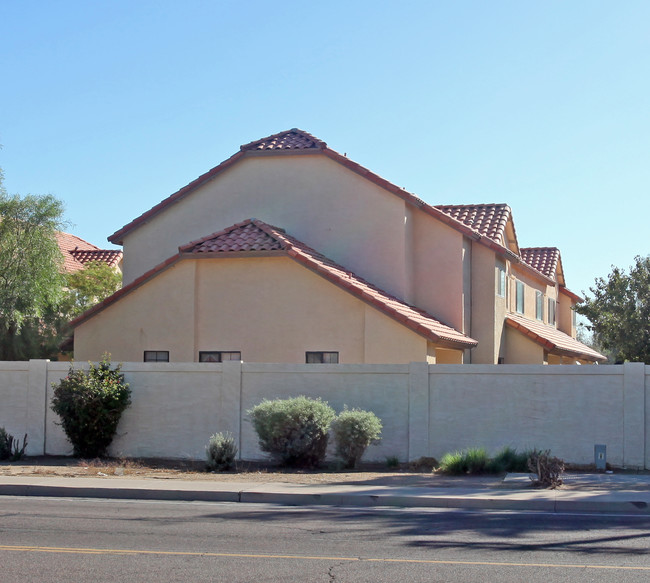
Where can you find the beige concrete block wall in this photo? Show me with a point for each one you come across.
(16, 401)
(425, 409)
(383, 389)
(568, 410)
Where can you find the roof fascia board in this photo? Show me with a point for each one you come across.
(551, 347)
(117, 238)
(575, 297)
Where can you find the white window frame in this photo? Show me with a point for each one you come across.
(539, 305)
(520, 296)
(501, 279)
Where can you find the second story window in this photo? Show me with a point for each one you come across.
(539, 305)
(501, 279)
(551, 311)
(519, 296)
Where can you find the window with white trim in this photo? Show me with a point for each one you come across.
(322, 357)
(539, 305)
(501, 279)
(519, 296)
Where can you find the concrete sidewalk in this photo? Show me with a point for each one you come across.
(628, 494)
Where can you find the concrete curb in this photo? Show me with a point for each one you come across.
(583, 501)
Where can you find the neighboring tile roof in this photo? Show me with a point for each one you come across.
(542, 259)
(77, 252)
(489, 220)
(293, 139)
(552, 339)
(255, 237)
(110, 256)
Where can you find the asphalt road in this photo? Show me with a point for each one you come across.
(49, 539)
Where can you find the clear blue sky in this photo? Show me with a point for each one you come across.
(113, 105)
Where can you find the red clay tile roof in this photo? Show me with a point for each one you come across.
(552, 339)
(485, 225)
(296, 140)
(110, 256)
(245, 236)
(293, 139)
(489, 220)
(77, 252)
(253, 237)
(544, 259)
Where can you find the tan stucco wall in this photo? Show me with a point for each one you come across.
(565, 315)
(531, 285)
(437, 256)
(487, 320)
(271, 309)
(521, 350)
(157, 316)
(334, 210)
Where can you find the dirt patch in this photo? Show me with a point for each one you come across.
(368, 474)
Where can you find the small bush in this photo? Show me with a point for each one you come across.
(354, 430)
(10, 447)
(293, 431)
(508, 460)
(470, 461)
(5, 444)
(221, 452)
(90, 406)
(548, 470)
(392, 461)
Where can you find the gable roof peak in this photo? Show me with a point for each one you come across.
(543, 259)
(293, 139)
(488, 219)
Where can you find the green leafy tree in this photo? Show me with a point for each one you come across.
(619, 312)
(31, 282)
(89, 286)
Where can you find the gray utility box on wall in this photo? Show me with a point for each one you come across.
(600, 456)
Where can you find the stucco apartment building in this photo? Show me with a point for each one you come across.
(291, 252)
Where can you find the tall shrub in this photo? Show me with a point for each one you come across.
(293, 431)
(90, 405)
(354, 430)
